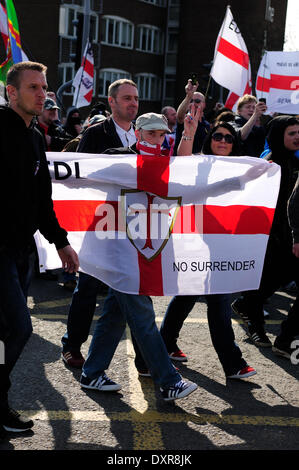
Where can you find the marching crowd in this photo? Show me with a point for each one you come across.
(30, 126)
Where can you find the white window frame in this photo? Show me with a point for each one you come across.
(145, 88)
(118, 75)
(64, 21)
(121, 24)
(150, 32)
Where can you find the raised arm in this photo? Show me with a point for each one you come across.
(190, 125)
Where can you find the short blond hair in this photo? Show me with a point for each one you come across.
(245, 99)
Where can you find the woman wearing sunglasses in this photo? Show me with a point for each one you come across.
(222, 141)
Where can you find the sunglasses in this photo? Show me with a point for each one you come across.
(228, 138)
(196, 101)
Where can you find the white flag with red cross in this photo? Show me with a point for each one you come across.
(278, 81)
(231, 65)
(165, 225)
(84, 80)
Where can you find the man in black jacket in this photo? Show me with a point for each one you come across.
(26, 207)
(115, 131)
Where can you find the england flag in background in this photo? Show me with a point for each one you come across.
(278, 81)
(83, 81)
(231, 65)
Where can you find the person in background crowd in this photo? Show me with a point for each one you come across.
(73, 123)
(197, 99)
(248, 123)
(54, 135)
(171, 115)
(26, 190)
(73, 145)
(280, 265)
(99, 108)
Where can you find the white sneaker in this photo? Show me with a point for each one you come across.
(102, 383)
(180, 390)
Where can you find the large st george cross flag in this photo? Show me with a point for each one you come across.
(165, 225)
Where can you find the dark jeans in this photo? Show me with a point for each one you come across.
(136, 310)
(221, 331)
(81, 313)
(15, 321)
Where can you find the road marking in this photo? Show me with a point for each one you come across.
(158, 417)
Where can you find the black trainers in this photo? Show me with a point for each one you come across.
(180, 390)
(237, 306)
(258, 336)
(102, 383)
(12, 421)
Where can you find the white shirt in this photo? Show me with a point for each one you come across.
(128, 138)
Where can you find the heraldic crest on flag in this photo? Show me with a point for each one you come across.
(149, 220)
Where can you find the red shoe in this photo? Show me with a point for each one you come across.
(73, 359)
(243, 373)
(178, 356)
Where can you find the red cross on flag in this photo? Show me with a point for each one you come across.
(231, 65)
(83, 81)
(278, 81)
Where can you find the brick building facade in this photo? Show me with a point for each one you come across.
(157, 43)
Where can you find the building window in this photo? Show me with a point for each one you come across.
(158, 3)
(117, 31)
(70, 14)
(108, 76)
(149, 39)
(149, 86)
(66, 72)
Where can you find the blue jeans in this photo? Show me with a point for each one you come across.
(220, 325)
(138, 312)
(81, 312)
(15, 321)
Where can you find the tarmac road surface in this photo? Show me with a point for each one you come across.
(260, 413)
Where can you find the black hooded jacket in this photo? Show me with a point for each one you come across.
(293, 212)
(289, 164)
(26, 203)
